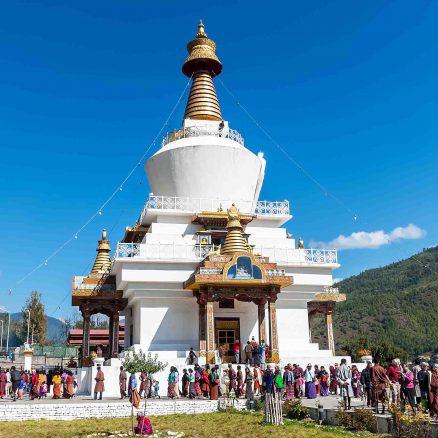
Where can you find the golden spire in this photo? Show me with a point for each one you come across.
(201, 65)
(103, 261)
(234, 240)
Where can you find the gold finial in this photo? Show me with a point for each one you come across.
(201, 30)
(202, 65)
(102, 263)
(234, 240)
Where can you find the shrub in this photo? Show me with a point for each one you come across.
(358, 419)
(416, 425)
(294, 410)
(259, 405)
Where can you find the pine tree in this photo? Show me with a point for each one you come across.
(38, 320)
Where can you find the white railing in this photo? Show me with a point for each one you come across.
(293, 255)
(127, 250)
(197, 205)
(169, 251)
(275, 272)
(163, 251)
(232, 134)
(210, 271)
(331, 290)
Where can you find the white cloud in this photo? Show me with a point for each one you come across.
(373, 239)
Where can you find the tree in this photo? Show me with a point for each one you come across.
(379, 348)
(38, 320)
(136, 363)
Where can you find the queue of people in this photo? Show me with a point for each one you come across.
(38, 384)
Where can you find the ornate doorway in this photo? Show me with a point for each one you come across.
(227, 331)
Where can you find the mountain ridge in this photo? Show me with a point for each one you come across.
(395, 304)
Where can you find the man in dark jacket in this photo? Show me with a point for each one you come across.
(367, 382)
(15, 381)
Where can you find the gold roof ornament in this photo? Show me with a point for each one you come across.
(234, 240)
(103, 261)
(201, 65)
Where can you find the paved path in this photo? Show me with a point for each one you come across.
(329, 402)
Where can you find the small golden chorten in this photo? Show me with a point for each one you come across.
(201, 65)
(102, 263)
(234, 240)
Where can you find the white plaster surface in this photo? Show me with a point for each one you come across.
(73, 410)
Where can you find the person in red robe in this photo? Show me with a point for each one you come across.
(99, 388)
(205, 384)
(380, 382)
(69, 385)
(433, 393)
(3, 380)
(35, 391)
(214, 383)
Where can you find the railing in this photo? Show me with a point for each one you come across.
(275, 272)
(232, 134)
(169, 251)
(128, 250)
(293, 255)
(196, 205)
(163, 251)
(331, 290)
(210, 271)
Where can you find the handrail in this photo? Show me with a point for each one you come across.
(167, 251)
(197, 205)
(178, 134)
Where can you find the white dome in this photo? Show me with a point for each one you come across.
(206, 166)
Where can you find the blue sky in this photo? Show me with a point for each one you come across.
(348, 89)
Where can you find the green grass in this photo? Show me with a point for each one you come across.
(221, 424)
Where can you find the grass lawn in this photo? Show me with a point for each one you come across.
(220, 424)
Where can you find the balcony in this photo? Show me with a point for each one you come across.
(178, 134)
(197, 205)
(163, 251)
(184, 252)
(301, 256)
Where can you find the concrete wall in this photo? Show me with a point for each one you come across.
(167, 323)
(72, 411)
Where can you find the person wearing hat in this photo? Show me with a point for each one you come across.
(309, 381)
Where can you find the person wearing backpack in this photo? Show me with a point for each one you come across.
(15, 381)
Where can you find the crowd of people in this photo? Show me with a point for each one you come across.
(16, 384)
(414, 385)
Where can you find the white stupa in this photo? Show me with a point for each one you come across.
(173, 269)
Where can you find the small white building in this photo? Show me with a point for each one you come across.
(200, 170)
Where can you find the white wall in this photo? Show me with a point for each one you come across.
(183, 167)
(167, 323)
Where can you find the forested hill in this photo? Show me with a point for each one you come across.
(396, 305)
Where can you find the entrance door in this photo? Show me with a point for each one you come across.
(227, 331)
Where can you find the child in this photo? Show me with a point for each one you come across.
(44, 390)
(156, 388)
(20, 389)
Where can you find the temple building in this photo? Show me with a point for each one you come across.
(209, 263)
